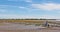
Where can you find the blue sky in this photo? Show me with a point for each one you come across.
(17, 9)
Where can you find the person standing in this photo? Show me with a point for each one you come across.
(46, 24)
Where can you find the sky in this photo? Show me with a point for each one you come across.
(21, 9)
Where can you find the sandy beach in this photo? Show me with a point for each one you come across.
(32, 30)
(10, 27)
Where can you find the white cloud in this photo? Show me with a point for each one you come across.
(21, 0)
(12, 0)
(50, 17)
(15, 16)
(28, 0)
(47, 6)
(21, 7)
(47, 16)
(8, 16)
(3, 10)
(26, 8)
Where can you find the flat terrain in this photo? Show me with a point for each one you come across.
(33, 30)
(25, 26)
(11, 27)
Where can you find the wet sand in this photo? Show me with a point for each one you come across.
(10, 27)
(32, 30)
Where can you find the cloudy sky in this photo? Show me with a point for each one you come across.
(29, 9)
